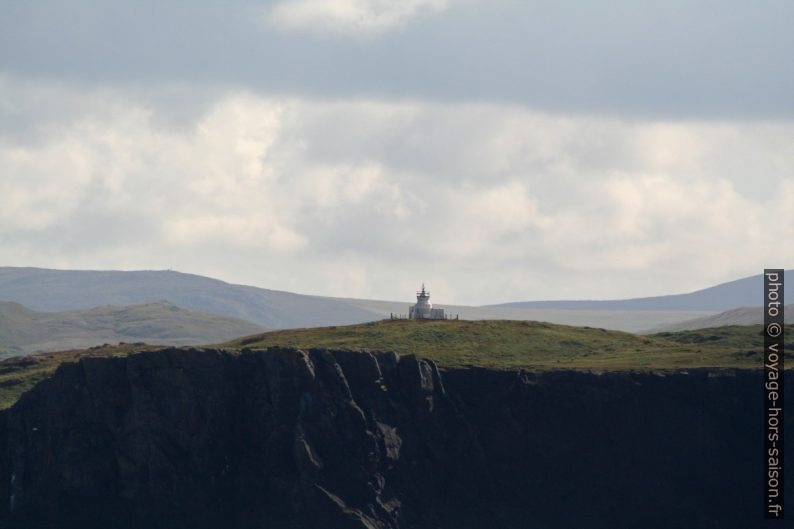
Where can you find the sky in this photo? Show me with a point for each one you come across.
(496, 150)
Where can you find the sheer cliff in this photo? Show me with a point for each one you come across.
(285, 438)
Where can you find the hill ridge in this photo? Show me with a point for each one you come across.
(23, 330)
(740, 292)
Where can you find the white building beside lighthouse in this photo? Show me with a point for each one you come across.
(423, 310)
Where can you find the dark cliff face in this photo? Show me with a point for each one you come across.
(621, 450)
(292, 439)
(282, 438)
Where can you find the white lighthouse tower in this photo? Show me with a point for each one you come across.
(423, 310)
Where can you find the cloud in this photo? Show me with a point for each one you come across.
(666, 60)
(348, 17)
(362, 197)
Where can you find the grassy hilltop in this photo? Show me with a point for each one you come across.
(530, 344)
(491, 343)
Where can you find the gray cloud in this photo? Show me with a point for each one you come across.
(675, 59)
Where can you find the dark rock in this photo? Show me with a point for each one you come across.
(201, 438)
(337, 439)
(572, 450)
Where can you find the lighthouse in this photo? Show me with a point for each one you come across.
(423, 310)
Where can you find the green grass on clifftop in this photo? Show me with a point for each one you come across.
(20, 373)
(523, 344)
(490, 343)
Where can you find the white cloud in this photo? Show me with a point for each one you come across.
(350, 17)
(353, 197)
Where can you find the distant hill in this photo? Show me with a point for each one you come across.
(740, 316)
(745, 292)
(24, 331)
(58, 290)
